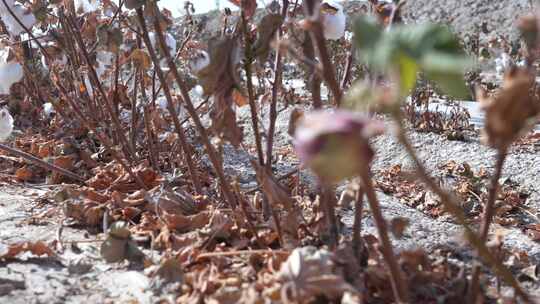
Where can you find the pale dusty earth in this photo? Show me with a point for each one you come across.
(79, 275)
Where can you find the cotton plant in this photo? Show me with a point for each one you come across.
(334, 20)
(6, 124)
(23, 14)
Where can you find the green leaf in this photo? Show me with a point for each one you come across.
(367, 33)
(408, 49)
(447, 72)
(408, 69)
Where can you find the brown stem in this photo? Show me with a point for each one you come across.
(170, 103)
(251, 95)
(108, 104)
(357, 225)
(348, 67)
(43, 164)
(154, 155)
(399, 285)
(278, 71)
(314, 80)
(134, 112)
(214, 159)
(489, 211)
(109, 147)
(328, 204)
(453, 208)
(317, 37)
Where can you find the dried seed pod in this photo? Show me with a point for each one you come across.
(335, 144)
(511, 110)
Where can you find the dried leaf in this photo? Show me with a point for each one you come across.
(311, 273)
(219, 78)
(511, 111)
(38, 248)
(170, 270)
(398, 226)
(187, 223)
(141, 59)
(109, 38)
(267, 29)
(24, 174)
(239, 99)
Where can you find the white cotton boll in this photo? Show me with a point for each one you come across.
(6, 124)
(48, 109)
(169, 40)
(502, 63)
(334, 20)
(100, 69)
(348, 36)
(104, 60)
(171, 43)
(198, 91)
(201, 61)
(44, 63)
(109, 12)
(10, 72)
(506, 60)
(88, 85)
(105, 57)
(162, 103)
(124, 47)
(86, 6)
(24, 15)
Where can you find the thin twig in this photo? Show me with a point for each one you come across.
(357, 225)
(489, 211)
(38, 162)
(241, 252)
(214, 159)
(187, 149)
(453, 208)
(328, 204)
(317, 37)
(251, 95)
(95, 79)
(399, 285)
